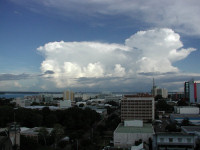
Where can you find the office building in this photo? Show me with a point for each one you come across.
(137, 107)
(192, 91)
(160, 91)
(68, 95)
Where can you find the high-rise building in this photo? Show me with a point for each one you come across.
(192, 91)
(137, 107)
(159, 91)
(68, 95)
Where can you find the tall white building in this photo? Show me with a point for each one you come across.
(159, 91)
(68, 95)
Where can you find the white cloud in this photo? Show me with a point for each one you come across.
(17, 84)
(144, 52)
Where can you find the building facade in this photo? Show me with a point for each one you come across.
(192, 91)
(137, 107)
(125, 135)
(159, 91)
(186, 110)
(173, 141)
(68, 95)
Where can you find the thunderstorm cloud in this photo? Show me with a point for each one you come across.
(145, 52)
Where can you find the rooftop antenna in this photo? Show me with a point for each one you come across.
(153, 89)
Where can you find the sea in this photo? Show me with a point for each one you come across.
(10, 95)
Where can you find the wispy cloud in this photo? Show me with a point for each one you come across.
(4, 77)
(181, 15)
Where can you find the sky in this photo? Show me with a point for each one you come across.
(98, 45)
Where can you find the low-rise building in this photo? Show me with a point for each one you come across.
(193, 118)
(186, 110)
(33, 132)
(173, 141)
(21, 102)
(125, 135)
(64, 104)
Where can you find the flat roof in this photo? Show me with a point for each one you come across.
(147, 128)
(186, 115)
(191, 128)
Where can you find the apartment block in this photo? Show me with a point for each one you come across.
(137, 107)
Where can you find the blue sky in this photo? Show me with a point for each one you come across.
(98, 45)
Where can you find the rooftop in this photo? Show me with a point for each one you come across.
(186, 115)
(139, 95)
(191, 128)
(147, 128)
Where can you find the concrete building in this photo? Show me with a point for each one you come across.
(193, 118)
(68, 95)
(192, 91)
(21, 102)
(116, 99)
(126, 134)
(186, 110)
(160, 91)
(137, 107)
(53, 108)
(64, 104)
(33, 132)
(173, 141)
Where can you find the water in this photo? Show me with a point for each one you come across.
(9, 95)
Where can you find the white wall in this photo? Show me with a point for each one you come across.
(186, 110)
(124, 140)
(63, 104)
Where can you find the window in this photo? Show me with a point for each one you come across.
(189, 140)
(179, 140)
(170, 140)
(161, 139)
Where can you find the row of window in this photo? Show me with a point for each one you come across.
(180, 140)
(134, 103)
(136, 110)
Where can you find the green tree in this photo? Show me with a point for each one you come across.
(43, 133)
(50, 120)
(81, 105)
(185, 122)
(162, 105)
(113, 103)
(6, 115)
(172, 128)
(27, 143)
(158, 97)
(58, 132)
(182, 103)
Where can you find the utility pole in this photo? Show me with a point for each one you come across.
(77, 144)
(15, 146)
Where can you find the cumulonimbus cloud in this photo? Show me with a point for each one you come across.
(144, 52)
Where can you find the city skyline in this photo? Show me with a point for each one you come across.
(98, 45)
